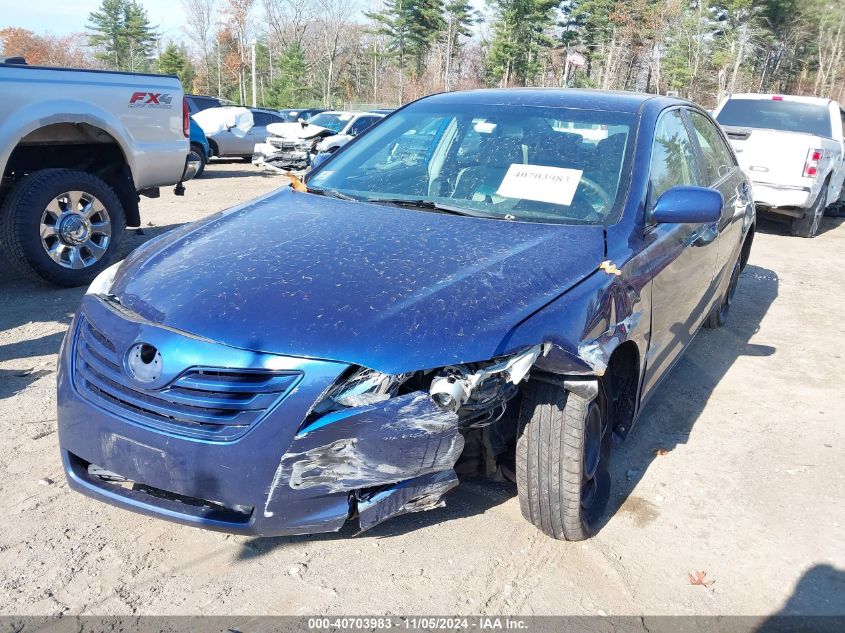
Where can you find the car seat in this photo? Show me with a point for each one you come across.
(481, 181)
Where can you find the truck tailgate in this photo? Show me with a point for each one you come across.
(772, 156)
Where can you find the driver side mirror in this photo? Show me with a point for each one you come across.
(688, 205)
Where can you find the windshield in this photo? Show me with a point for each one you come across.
(787, 116)
(334, 122)
(525, 163)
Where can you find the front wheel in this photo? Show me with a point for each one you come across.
(562, 456)
(62, 225)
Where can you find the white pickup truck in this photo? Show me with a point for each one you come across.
(77, 147)
(792, 149)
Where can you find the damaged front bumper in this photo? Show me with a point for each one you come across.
(283, 154)
(225, 439)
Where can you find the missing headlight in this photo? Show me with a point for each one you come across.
(475, 389)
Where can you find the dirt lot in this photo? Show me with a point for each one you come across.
(749, 490)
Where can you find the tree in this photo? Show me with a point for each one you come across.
(122, 32)
(199, 24)
(410, 27)
(289, 88)
(237, 32)
(460, 18)
(175, 61)
(519, 34)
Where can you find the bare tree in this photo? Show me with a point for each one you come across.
(289, 21)
(239, 27)
(200, 18)
(334, 15)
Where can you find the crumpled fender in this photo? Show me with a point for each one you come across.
(587, 323)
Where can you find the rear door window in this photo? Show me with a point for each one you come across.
(673, 161)
(718, 160)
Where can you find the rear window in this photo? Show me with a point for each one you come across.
(787, 116)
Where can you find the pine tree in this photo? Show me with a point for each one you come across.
(411, 27)
(460, 17)
(175, 61)
(122, 30)
(106, 26)
(289, 88)
(519, 35)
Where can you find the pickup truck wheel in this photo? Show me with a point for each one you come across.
(808, 226)
(197, 153)
(62, 225)
(719, 316)
(562, 461)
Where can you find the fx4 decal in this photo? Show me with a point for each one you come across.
(162, 100)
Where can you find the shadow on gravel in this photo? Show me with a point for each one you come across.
(776, 226)
(817, 604)
(30, 301)
(667, 419)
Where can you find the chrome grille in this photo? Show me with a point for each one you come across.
(202, 402)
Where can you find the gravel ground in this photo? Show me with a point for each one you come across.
(748, 487)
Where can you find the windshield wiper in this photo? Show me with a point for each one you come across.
(331, 193)
(436, 206)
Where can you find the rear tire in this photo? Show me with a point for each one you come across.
(197, 153)
(562, 461)
(45, 231)
(719, 316)
(808, 226)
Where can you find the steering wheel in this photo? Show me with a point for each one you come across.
(597, 189)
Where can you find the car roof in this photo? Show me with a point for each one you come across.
(618, 101)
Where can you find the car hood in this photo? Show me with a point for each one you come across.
(389, 288)
(296, 130)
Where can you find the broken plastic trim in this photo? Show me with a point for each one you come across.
(452, 388)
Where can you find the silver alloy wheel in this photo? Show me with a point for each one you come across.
(75, 229)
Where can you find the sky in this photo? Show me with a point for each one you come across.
(62, 17)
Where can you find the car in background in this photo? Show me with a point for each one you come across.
(226, 144)
(337, 348)
(198, 103)
(358, 124)
(792, 149)
(200, 150)
(292, 146)
(299, 114)
(77, 150)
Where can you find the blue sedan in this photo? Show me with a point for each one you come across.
(513, 271)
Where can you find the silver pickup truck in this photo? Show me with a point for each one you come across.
(77, 149)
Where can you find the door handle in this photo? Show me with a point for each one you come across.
(704, 237)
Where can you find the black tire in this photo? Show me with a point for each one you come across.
(719, 316)
(808, 226)
(562, 437)
(247, 159)
(21, 218)
(197, 153)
